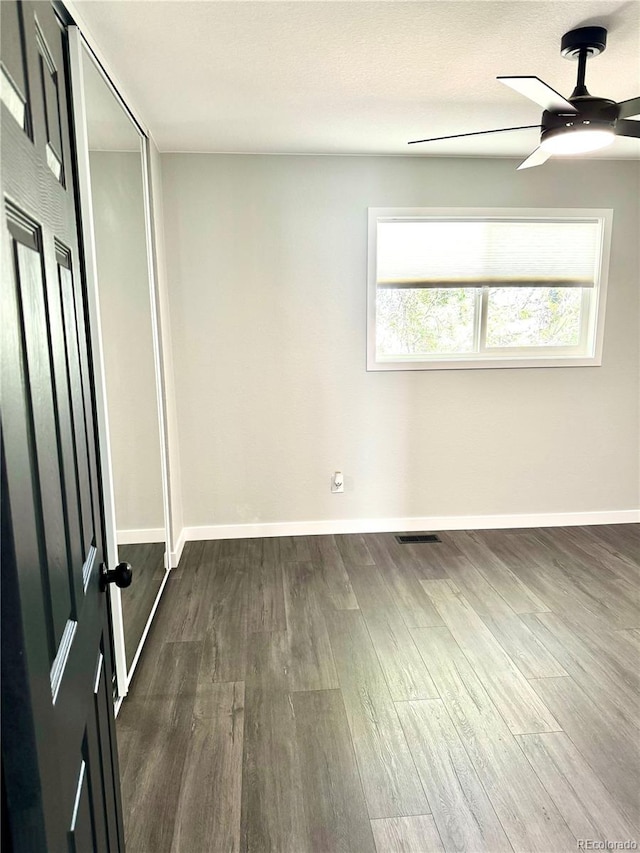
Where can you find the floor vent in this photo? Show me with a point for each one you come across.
(406, 538)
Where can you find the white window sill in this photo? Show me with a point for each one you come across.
(485, 363)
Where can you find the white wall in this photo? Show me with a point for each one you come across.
(170, 410)
(267, 275)
(125, 310)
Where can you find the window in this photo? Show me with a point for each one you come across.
(486, 288)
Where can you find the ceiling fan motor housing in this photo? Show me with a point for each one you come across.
(593, 113)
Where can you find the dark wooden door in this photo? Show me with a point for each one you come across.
(59, 756)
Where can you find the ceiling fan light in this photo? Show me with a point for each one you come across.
(576, 140)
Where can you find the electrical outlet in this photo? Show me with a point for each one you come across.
(337, 483)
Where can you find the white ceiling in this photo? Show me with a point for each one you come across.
(354, 77)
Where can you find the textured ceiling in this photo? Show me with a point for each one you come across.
(354, 77)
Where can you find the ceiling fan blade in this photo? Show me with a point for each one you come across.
(630, 108)
(624, 127)
(474, 133)
(537, 90)
(537, 158)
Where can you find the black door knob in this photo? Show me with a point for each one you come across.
(121, 576)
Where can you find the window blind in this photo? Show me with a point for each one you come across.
(459, 253)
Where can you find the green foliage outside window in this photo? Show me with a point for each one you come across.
(534, 316)
(425, 321)
(429, 321)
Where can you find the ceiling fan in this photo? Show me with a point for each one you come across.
(576, 124)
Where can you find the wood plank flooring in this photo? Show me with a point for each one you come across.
(351, 694)
(147, 562)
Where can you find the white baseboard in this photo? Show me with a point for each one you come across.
(141, 536)
(178, 548)
(387, 525)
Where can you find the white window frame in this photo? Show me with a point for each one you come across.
(504, 357)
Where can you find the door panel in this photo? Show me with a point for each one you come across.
(44, 432)
(15, 92)
(59, 753)
(108, 748)
(81, 835)
(76, 403)
(51, 100)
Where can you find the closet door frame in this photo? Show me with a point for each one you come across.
(79, 44)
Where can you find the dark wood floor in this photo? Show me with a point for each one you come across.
(147, 562)
(348, 693)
